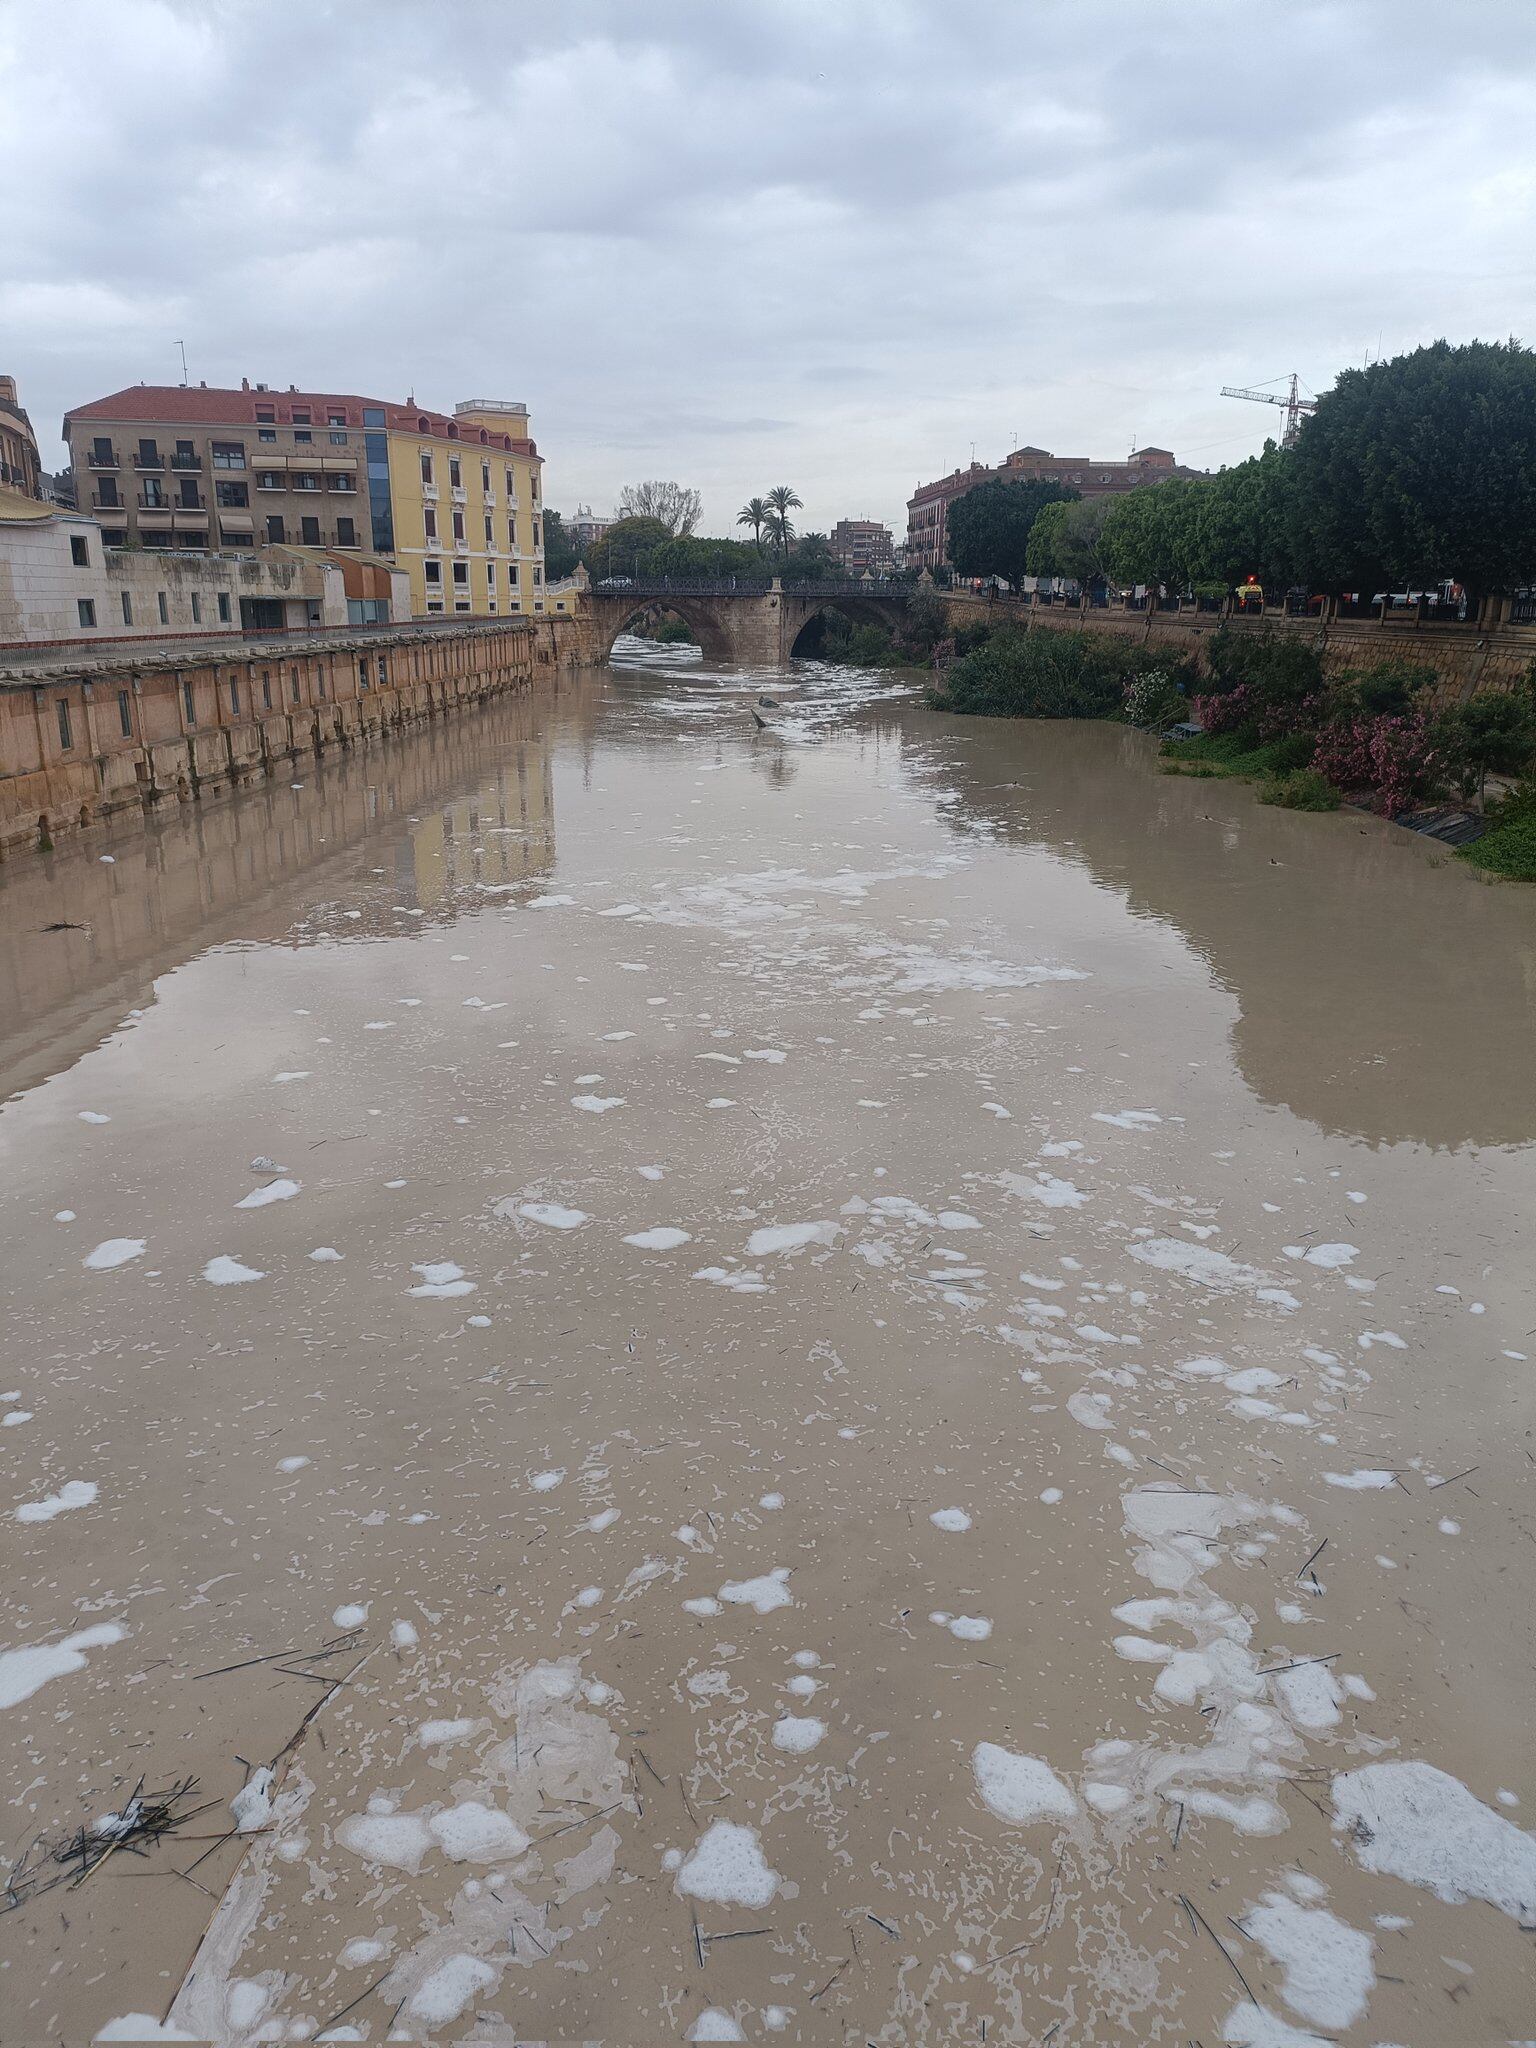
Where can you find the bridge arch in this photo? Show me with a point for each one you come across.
(697, 614)
(859, 611)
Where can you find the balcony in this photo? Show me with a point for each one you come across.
(97, 461)
(143, 461)
(459, 494)
(461, 547)
(429, 494)
(149, 501)
(101, 504)
(193, 502)
(186, 462)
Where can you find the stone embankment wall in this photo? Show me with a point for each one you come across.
(122, 730)
(1464, 657)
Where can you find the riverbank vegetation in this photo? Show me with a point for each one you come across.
(1267, 713)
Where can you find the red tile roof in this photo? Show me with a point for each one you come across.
(198, 405)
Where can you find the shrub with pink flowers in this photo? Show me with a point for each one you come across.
(1395, 759)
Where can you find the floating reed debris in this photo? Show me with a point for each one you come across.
(144, 1820)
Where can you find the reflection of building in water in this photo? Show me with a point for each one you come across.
(504, 833)
(225, 870)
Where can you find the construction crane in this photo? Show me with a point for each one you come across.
(1295, 405)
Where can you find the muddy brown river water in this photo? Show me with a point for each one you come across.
(865, 1382)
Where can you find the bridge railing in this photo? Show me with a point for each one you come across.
(641, 589)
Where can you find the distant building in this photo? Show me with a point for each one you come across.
(455, 498)
(928, 507)
(583, 527)
(19, 463)
(863, 547)
(59, 582)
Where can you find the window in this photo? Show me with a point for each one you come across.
(373, 415)
(66, 732)
(458, 525)
(302, 434)
(511, 533)
(125, 714)
(189, 703)
(293, 684)
(266, 433)
(164, 608)
(490, 531)
(197, 608)
(346, 534)
(275, 529)
(538, 538)
(270, 480)
(229, 455)
(79, 551)
(106, 491)
(338, 440)
(185, 456)
(305, 480)
(85, 609)
(511, 485)
(434, 605)
(485, 478)
(538, 573)
(431, 523)
(512, 574)
(383, 670)
(433, 571)
(235, 537)
(461, 572)
(102, 451)
(154, 494)
(302, 416)
(188, 496)
(490, 604)
(455, 471)
(362, 672)
(339, 481)
(321, 680)
(232, 494)
(266, 689)
(533, 487)
(309, 532)
(426, 469)
(125, 598)
(335, 419)
(234, 696)
(490, 575)
(223, 607)
(266, 412)
(149, 455)
(462, 605)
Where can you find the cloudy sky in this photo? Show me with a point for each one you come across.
(748, 242)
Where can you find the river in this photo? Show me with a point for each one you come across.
(864, 1379)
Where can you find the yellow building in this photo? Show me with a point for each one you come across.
(455, 498)
(468, 508)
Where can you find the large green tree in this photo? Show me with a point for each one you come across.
(1064, 540)
(561, 553)
(781, 502)
(1421, 468)
(625, 549)
(989, 528)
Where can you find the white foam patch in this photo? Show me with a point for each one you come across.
(227, 1272)
(114, 1251)
(291, 1464)
(954, 1521)
(433, 1734)
(75, 1493)
(274, 1191)
(1418, 1823)
(713, 2024)
(93, 1116)
(362, 1949)
(472, 1832)
(1328, 1965)
(1046, 1189)
(664, 1238)
(553, 1215)
(1128, 1119)
(727, 1867)
(352, 1615)
(605, 1520)
(26, 1670)
(1254, 2026)
(440, 1998)
(798, 1733)
(597, 1104)
(770, 1053)
(251, 1806)
(291, 1074)
(1362, 1480)
(790, 1237)
(1018, 1788)
(546, 1482)
(1331, 1257)
(325, 1255)
(441, 1280)
(1195, 1262)
(141, 2027)
(763, 1594)
(400, 1840)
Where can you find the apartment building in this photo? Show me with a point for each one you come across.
(928, 507)
(863, 547)
(456, 499)
(19, 463)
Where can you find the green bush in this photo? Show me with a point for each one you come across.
(1301, 789)
(1240, 753)
(1508, 847)
(1045, 674)
(677, 630)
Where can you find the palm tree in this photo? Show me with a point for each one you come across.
(782, 501)
(756, 513)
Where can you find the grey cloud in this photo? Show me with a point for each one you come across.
(758, 242)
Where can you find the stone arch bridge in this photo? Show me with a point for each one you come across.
(752, 624)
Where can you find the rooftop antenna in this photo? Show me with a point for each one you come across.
(183, 347)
